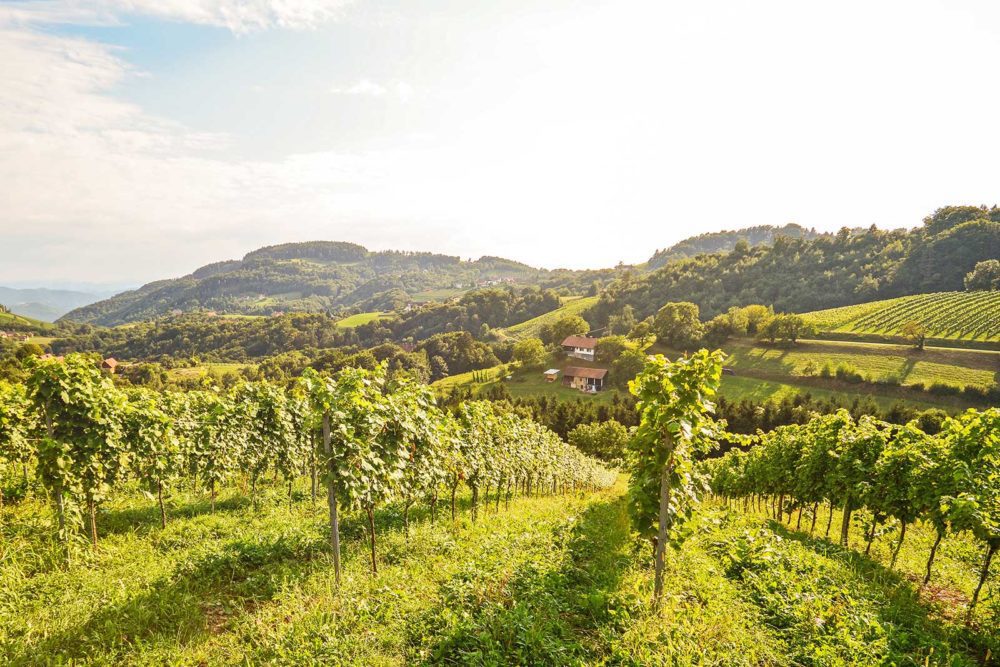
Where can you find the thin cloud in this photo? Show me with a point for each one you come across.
(239, 16)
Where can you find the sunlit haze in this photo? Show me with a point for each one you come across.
(142, 139)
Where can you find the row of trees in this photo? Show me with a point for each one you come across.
(899, 473)
(678, 325)
(369, 439)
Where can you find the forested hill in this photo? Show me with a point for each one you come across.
(323, 276)
(799, 275)
(724, 241)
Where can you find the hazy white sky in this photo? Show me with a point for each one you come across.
(140, 139)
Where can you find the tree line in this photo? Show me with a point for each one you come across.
(801, 274)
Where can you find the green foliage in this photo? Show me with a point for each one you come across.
(149, 432)
(677, 325)
(608, 348)
(530, 352)
(740, 240)
(784, 327)
(948, 480)
(973, 442)
(801, 275)
(675, 424)
(567, 325)
(628, 365)
(81, 455)
(605, 440)
(985, 276)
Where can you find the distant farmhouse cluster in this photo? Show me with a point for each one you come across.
(585, 379)
(15, 335)
(494, 282)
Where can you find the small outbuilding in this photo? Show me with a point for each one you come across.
(110, 364)
(587, 380)
(551, 375)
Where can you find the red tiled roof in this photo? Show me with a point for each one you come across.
(577, 372)
(580, 341)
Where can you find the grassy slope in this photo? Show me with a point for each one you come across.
(774, 372)
(910, 366)
(13, 320)
(359, 319)
(758, 390)
(529, 328)
(551, 581)
(948, 315)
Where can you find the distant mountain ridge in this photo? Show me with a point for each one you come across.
(789, 266)
(44, 304)
(726, 240)
(322, 276)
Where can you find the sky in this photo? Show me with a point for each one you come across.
(141, 139)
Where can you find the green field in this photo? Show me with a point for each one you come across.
(529, 328)
(879, 363)
(442, 294)
(740, 388)
(203, 370)
(973, 316)
(359, 319)
(41, 340)
(555, 580)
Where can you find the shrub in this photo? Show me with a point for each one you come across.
(848, 373)
(975, 393)
(944, 389)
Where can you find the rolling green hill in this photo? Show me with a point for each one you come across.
(11, 321)
(325, 276)
(802, 275)
(971, 316)
(571, 306)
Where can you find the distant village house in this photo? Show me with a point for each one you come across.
(110, 364)
(581, 347)
(587, 380)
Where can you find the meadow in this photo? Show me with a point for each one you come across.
(359, 319)
(887, 364)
